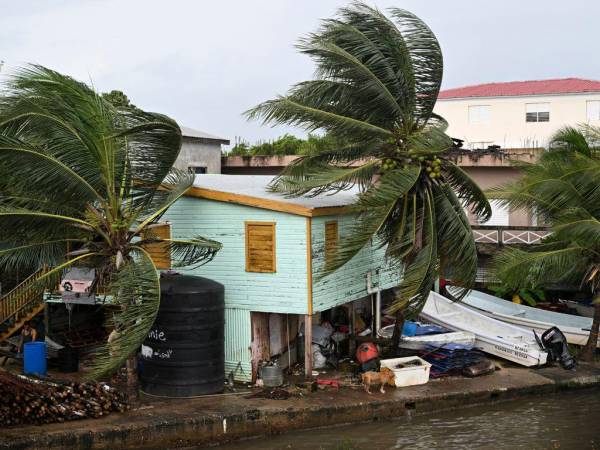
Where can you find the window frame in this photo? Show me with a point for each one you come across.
(536, 114)
(249, 224)
(587, 110)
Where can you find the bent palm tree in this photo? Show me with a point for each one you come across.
(376, 84)
(563, 187)
(84, 183)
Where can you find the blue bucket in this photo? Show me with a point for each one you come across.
(409, 328)
(34, 358)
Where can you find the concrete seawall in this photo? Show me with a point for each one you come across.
(210, 420)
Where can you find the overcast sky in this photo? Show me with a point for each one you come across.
(205, 62)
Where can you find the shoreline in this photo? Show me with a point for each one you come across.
(180, 423)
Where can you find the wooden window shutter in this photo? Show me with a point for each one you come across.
(159, 251)
(260, 246)
(331, 239)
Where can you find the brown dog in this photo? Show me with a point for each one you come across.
(383, 377)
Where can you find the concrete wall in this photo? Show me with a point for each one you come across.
(199, 153)
(507, 126)
(488, 177)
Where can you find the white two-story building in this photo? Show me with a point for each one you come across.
(518, 114)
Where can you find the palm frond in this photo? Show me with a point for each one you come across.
(570, 138)
(456, 246)
(192, 252)
(421, 269)
(136, 294)
(319, 178)
(469, 193)
(427, 62)
(286, 110)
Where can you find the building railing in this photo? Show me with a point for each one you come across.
(508, 235)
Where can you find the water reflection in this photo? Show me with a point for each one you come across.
(568, 420)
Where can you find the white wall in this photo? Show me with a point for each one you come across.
(505, 124)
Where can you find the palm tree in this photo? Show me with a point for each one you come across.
(376, 83)
(83, 184)
(563, 188)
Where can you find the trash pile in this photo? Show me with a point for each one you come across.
(450, 358)
(25, 400)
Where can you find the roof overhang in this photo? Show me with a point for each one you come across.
(263, 203)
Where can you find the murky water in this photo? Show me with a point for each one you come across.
(569, 420)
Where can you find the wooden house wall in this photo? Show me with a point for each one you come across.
(348, 283)
(283, 291)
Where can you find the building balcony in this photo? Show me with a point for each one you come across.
(509, 235)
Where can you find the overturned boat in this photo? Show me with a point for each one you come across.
(491, 336)
(575, 328)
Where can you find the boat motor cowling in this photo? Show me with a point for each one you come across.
(555, 343)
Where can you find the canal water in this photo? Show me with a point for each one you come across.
(567, 420)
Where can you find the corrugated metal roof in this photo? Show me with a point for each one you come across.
(519, 88)
(256, 186)
(197, 134)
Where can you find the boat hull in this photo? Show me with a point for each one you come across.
(491, 336)
(576, 329)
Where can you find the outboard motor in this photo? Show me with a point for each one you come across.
(555, 343)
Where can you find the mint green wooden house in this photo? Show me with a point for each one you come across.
(273, 248)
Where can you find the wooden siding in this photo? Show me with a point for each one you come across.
(284, 291)
(159, 252)
(350, 281)
(260, 247)
(237, 344)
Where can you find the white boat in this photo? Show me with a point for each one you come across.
(491, 336)
(575, 328)
(583, 309)
(418, 342)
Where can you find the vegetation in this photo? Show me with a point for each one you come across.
(118, 99)
(287, 145)
(517, 294)
(564, 189)
(84, 183)
(376, 84)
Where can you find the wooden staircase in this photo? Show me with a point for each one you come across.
(21, 304)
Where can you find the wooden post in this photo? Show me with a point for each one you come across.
(308, 346)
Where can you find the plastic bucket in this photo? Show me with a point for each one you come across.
(34, 358)
(272, 376)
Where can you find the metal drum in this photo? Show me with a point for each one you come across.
(183, 354)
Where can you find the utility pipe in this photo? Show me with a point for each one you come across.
(377, 291)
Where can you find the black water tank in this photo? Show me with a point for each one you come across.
(183, 354)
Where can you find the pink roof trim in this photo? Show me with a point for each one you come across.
(518, 88)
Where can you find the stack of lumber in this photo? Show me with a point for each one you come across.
(25, 400)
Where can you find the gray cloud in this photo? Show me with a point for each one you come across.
(204, 63)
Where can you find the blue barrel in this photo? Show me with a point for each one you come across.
(35, 358)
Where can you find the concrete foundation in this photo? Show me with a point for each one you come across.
(166, 423)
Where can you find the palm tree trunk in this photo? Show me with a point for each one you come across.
(132, 380)
(588, 351)
(398, 330)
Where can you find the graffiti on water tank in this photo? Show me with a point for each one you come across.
(157, 335)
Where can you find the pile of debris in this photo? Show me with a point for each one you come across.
(451, 358)
(25, 400)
